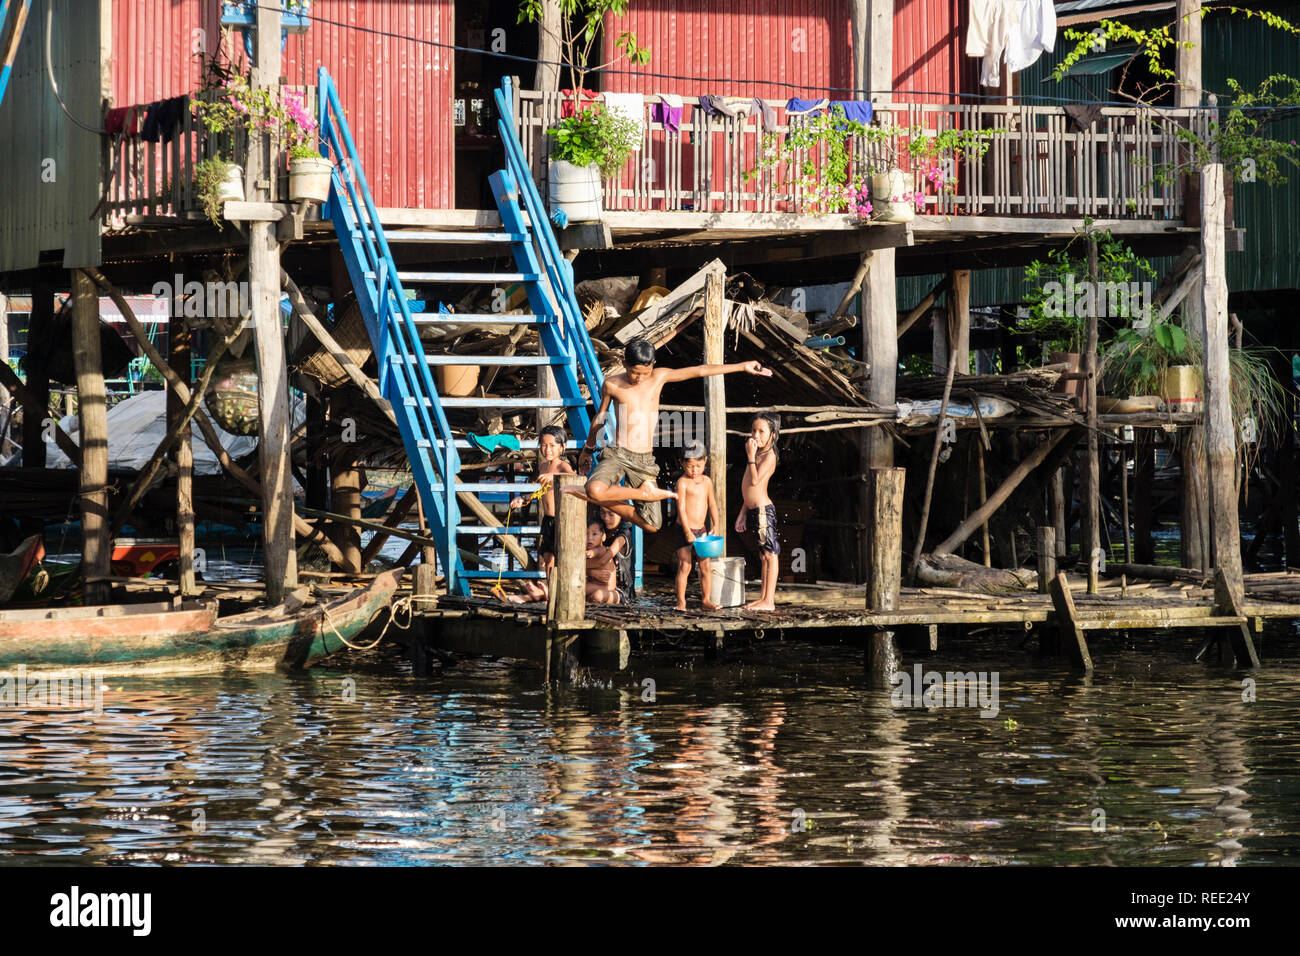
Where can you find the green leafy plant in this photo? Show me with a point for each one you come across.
(597, 136)
(229, 103)
(1134, 362)
(832, 158)
(1237, 135)
(209, 174)
(1066, 269)
(303, 151)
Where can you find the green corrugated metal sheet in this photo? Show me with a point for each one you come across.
(1249, 52)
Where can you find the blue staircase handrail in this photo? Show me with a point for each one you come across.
(404, 374)
(8, 56)
(558, 269)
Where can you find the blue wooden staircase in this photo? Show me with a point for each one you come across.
(405, 367)
(13, 17)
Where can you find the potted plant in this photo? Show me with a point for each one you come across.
(217, 182)
(309, 171)
(585, 147)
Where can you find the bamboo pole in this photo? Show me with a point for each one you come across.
(1092, 473)
(1004, 491)
(715, 390)
(178, 345)
(934, 467)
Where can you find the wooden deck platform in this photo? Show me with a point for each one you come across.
(1118, 605)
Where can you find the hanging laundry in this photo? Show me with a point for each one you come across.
(567, 105)
(149, 131)
(631, 106)
(798, 106)
(1033, 34)
(668, 111)
(768, 114)
(171, 117)
(134, 119)
(1082, 116)
(729, 106)
(857, 110)
(988, 35)
(115, 120)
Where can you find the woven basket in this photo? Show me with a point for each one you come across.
(350, 332)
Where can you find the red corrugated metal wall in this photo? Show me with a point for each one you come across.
(804, 43)
(396, 89)
(929, 57)
(801, 44)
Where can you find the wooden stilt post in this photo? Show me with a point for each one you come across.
(1091, 504)
(1057, 507)
(880, 351)
(984, 497)
(1144, 469)
(569, 594)
(715, 395)
(273, 376)
(886, 519)
(38, 384)
(1046, 557)
(345, 499)
(178, 348)
(95, 548)
(1220, 434)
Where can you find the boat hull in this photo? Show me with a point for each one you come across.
(121, 640)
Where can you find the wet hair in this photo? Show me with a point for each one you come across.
(639, 352)
(555, 431)
(694, 450)
(774, 423)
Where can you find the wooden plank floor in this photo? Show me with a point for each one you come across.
(1141, 604)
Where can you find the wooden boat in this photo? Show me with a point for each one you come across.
(124, 639)
(18, 564)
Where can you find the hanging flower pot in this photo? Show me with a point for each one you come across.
(888, 193)
(309, 178)
(232, 397)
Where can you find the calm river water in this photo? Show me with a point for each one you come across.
(779, 755)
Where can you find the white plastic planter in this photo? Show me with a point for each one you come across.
(576, 190)
(231, 187)
(309, 179)
(884, 187)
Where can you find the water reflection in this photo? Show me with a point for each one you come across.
(780, 756)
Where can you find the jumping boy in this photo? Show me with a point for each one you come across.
(635, 393)
(696, 511)
(757, 509)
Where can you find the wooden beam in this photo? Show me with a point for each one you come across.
(715, 392)
(235, 211)
(178, 347)
(274, 426)
(922, 307)
(38, 410)
(1076, 644)
(1187, 56)
(884, 583)
(880, 352)
(1046, 557)
(1090, 504)
(1220, 434)
(995, 501)
(569, 593)
(92, 401)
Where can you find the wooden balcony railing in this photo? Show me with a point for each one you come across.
(156, 179)
(1034, 167)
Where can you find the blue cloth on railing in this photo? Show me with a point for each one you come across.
(857, 110)
(797, 105)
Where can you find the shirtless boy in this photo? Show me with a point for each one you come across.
(757, 509)
(696, 511)
(550, 449)
(635, 393)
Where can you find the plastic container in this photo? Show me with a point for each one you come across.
(709, 546)
(456, 380)
(728, 588)
(576, 190)
(309, 179)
